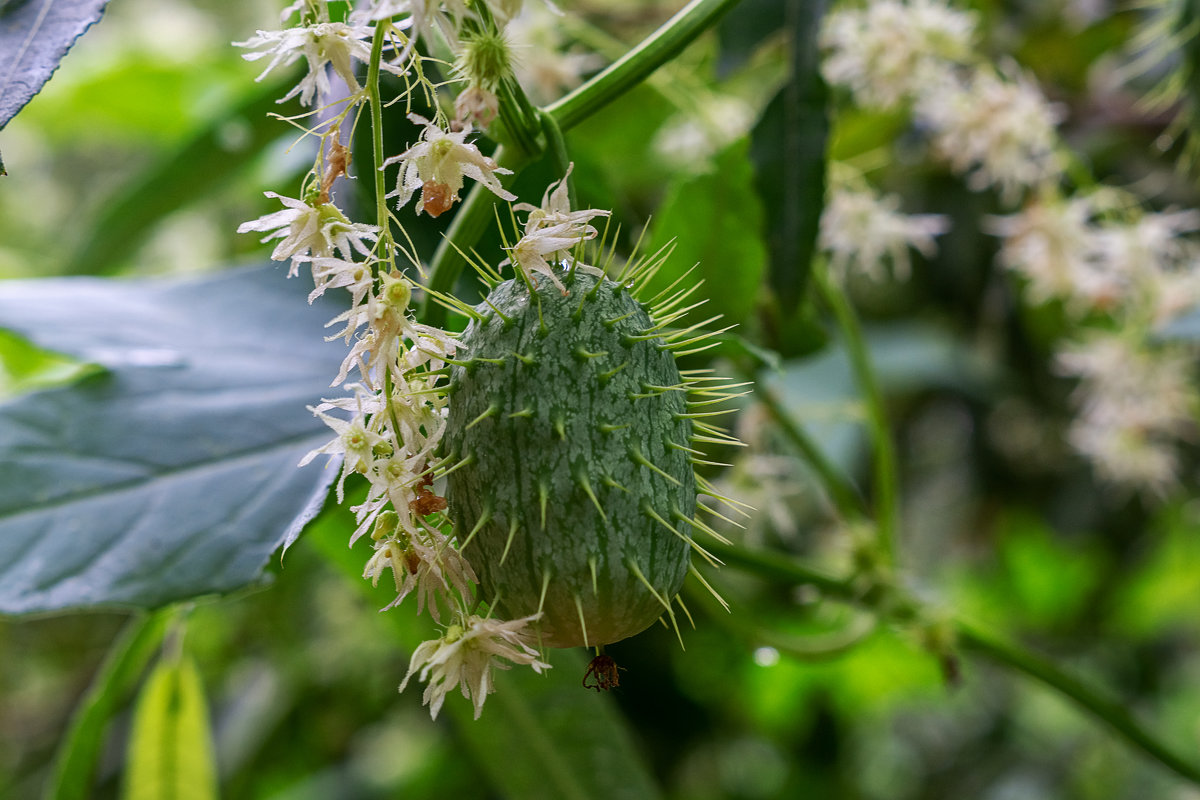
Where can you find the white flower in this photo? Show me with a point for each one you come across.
(997, 131)
(437, 165)
(339, 273)
(1135, 404)
(465, 656)
(476, 106)
(422, 15)
(1053, 243)
(553, 230)
(307, 230)
(426, 562)
(890, 51)
(357, 439)
(333, 43)
(862, 230)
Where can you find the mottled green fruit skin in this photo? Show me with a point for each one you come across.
(557, 427)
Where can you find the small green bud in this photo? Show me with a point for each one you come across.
(385, 524)
(485, 61)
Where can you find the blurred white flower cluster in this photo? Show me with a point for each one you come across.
(1118, 270)
(1099, 252)
(1105, 259)
(389, 424)
(891, 52)
(863, 231)
(993, 126)
(1136, 403)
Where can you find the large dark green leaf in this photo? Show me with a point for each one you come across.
(172, 473)
(788, 148)
(34, 37)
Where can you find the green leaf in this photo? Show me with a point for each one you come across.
(34, 37)
(211, 158)
(173, 474)
(25, 367)
(79, 749)
(788, 149)
(715, 220)
(545, 736)
(1045, 578)
(170, 755)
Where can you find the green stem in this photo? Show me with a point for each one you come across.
(74, 763)
(626, 73)
(1088, 698)
(842, 493)
(382, 217)
(973, 639)
(886, 493)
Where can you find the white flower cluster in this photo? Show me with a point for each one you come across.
(862, 231)
(1135, 405)
(553, 230)
(890, 51)
(1100, 254)
(320, 42)
(388, 426)
(466, 655)
(997, 130)
(995, 127)
(1094, 254)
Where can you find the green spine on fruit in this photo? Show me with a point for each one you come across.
(571, 488)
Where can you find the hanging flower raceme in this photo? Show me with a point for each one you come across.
(438, 165)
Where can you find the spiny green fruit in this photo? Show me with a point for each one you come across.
(574, 491)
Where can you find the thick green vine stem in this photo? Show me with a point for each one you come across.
(622, 75)
(842, 493)
(626, 73)
(887, 499)
(973, 639)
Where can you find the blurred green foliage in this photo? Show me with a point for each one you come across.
(1001, 525)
